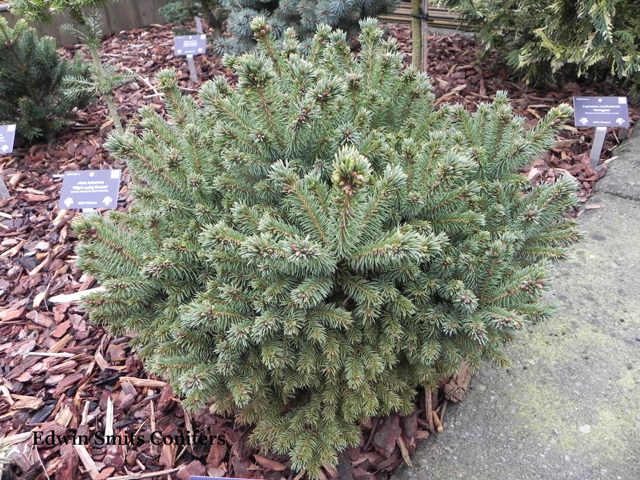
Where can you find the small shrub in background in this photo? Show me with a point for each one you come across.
(312, 245)
(571, 38)
(44, 10)
(31, 77)
(303, 15)
(180, 12)
(103, 79)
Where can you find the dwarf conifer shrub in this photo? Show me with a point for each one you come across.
(32, 93)
(302, 15)
(317, 241)
(545, 40)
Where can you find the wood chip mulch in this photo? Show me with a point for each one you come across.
(61, 374)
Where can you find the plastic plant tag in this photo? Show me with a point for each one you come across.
(190, 45)
(88, 189)
(601, 111)
(7, 136)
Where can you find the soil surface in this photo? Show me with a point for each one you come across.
(61, 374)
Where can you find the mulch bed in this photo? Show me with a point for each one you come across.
(60, 373)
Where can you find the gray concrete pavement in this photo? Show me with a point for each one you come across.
(569, 406)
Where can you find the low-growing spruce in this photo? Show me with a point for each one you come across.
(312, 244)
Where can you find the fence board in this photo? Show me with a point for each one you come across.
(438, 17)
(116, 17)
(130, 14)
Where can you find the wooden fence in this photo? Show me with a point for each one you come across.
(130, 14)
(438, 17)
(116, 17)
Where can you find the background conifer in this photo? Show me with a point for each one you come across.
(180, 12)
(32, 93)
(546, 40)
(103, 79)
(302, 15)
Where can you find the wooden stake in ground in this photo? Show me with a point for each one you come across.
(428, 405)
(424, 33)
(437, 422)
(419, 31)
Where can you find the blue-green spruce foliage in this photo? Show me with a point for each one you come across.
(302, 15)
(314, 243)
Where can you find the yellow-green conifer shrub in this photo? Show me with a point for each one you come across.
(546, 41)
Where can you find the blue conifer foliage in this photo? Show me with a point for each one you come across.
(313, 243)
(303, 16)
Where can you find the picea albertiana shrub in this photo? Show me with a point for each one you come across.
(317, 241)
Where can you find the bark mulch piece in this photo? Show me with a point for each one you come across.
(67, 378)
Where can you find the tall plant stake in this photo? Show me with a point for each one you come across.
(419, 32)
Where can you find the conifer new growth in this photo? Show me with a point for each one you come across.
(311, 245)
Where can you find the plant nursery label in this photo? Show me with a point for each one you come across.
(190, 45)
(90, 189)
(601, 111)
(7, 136)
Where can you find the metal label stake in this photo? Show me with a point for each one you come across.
(192, 69)
(4, 192)
(600, 112)
(596, 147)
(188, 46)
(199, 25)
